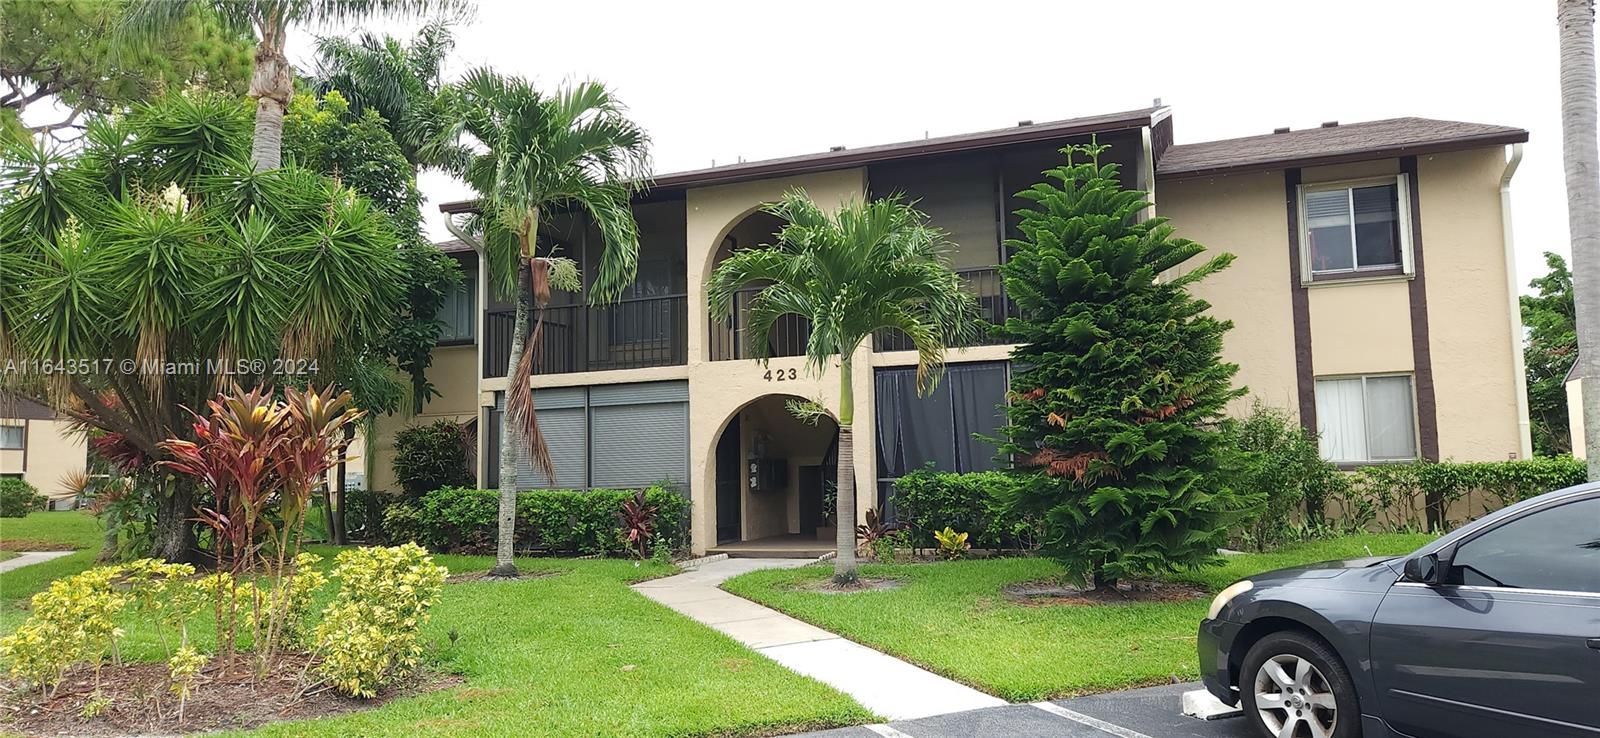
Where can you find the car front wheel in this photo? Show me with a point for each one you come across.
(1293, 685)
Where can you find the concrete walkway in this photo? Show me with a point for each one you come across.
(881, 683)
(30, 557)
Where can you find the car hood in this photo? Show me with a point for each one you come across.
(1378, 569)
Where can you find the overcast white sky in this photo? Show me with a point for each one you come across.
(723, 80)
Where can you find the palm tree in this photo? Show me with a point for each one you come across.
(156, 262)
(864, 268)
(272, 83)
(576, 151)
(1582, 159)
(400, 80)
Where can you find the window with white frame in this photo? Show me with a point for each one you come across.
(11, 436)
(1355, 227)
(459, 313)
(1365, 419)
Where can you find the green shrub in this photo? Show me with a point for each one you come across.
(430, 457)
(1423, 496)
(462, 520)
(369, 634)
(402, 523)
(73, 621)
(927, 501)
(18, 498)
(1279, 465)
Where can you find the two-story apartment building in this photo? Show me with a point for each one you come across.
(1373, 295)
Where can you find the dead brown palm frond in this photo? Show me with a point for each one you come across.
(1082, 466)
(519, 404)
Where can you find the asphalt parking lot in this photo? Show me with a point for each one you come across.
(1154, 712)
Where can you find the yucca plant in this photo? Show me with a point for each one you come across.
(155, 254)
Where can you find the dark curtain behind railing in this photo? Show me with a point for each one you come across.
(993, 309)
(627, 334)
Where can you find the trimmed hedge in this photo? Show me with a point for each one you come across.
(1425, 496)
(462, 520)
(975, 503)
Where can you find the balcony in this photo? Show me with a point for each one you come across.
(729, 340)
(627, 334)
(993, 309)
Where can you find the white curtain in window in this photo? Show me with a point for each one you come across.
(1390, 418)
(11, 436)
(1341, 419)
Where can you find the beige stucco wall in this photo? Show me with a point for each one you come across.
(1472, 333)
(718, 389)
(455, 374)
(1364, 326)
(51, 452)
(1575, 425)
(1244, 215)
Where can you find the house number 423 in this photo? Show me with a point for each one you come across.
(780, 375)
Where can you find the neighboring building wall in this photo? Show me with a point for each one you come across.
(51, 451)
(1472, 333)
(1575, 418)
(1367, 326)
(455, 374)
(1244, 215)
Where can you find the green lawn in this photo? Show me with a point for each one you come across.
(952, 618)
(551, 657)
(76, 528)
(8, 555)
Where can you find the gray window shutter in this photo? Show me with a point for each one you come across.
(641, 434)
(561, 420)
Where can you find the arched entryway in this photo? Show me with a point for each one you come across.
(773, 473)
(727, 339)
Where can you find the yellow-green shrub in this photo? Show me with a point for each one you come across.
(74, 620)
(291, 596)
(369, 633)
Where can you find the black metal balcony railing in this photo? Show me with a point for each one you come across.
(627, 334)
(993, 309)
(729, 340)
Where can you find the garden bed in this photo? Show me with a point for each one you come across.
(136, 699)
(1051, 591)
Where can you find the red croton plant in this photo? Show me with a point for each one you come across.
(261, 458)
(257, 455)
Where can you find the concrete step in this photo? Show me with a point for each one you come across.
(735, 552)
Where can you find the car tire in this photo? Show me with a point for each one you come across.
(1292, 677)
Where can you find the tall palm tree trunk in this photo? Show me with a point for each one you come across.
(1582, 162)
(272, 85)
(844, 561)
(511, 436)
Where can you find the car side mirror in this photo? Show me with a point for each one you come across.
(1432, 568)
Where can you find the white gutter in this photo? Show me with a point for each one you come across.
(1514, 306)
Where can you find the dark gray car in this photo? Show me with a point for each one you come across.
(1492, 631)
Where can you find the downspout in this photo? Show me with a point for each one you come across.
(1514, 307)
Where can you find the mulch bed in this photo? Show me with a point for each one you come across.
(30, 544)
(863, 584)
(141, 702)
(1047, 592)
(483, 576)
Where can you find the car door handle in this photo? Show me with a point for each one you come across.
(1593, 643)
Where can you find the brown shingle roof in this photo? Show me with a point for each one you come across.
(454, 246)
(846, 158)
(1378, 139)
